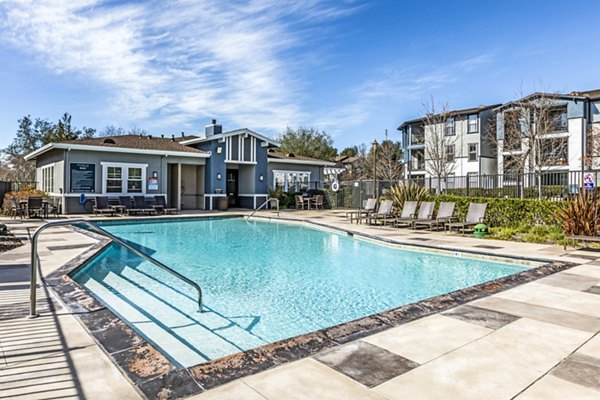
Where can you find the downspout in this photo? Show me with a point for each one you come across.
(65, 179)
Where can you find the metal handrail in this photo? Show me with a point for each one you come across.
(263, 205)
(97, 229)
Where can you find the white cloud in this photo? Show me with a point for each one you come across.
(179, 61)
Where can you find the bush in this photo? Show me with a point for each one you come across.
(508, 212)
(581, 216)
(408, 191)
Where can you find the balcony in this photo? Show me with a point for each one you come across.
(417, 164)
(417, 140)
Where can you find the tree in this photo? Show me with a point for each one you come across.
(350, 151)
(30, 136)
(389, 161)
(526, 139)
(111, 130)
(307, 142)
(440, 139)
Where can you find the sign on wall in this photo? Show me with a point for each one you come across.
(588, 181)
(83, 178)
(152, 183)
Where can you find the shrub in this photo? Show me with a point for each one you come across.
(581, 216)
(406, 192)
(508, 212)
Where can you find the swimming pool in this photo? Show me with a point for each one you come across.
(262, 282)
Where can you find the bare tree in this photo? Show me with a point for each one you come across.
(440, 142)
(531, 135)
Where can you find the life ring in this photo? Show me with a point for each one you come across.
(335, 186)
(82, 198)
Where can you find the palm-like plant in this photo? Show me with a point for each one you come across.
(581, 216)
(408, 191)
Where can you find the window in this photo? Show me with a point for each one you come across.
(291, 181)
(558, 117)
(596, 111)
(473, 123)
(450, 153)
(122, 178)
(473, 151)
(114, 180)
(47, 181)
(450, 127)
(554, 151)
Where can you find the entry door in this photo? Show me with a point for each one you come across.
(232, 186)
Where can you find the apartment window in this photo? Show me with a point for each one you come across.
(473, 123)
(291, 181)
(449, 126)
(473, 147)
(596, 111)
(121, 178)
(450, 153)
(47, 182)
(554, 151)
(559, 120)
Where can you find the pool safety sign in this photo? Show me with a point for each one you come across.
(152, 183)
(588, 181)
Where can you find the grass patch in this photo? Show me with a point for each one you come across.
(542, 234)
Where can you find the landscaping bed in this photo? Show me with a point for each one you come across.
(8, 241)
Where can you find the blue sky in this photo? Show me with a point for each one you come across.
(351, 68)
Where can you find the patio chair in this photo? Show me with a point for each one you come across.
(15, 209)
(384, 212)
(444, 216)
(300, 202)
(101, 206)
(161, 202)
(35, 207)
(475, 215)
(425, 212)
(370, 208)
(319, 201)
(55, 207)
(140, 205)
(409, 210)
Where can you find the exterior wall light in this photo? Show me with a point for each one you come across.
(155, 174)
(219, 176)
(261, 178)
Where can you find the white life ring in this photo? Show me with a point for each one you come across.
(335, 186)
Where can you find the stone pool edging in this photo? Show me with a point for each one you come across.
(155, 376)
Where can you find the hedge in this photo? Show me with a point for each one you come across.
(507, 212)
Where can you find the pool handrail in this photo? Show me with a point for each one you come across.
(264, 205)
(99, 230)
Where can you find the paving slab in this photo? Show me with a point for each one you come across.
(428, 338)
(570, 281)
(553, 388)
(580, 369)
(481, 316)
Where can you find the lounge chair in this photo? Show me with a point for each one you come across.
(161, 202)
(140, 205)
(370, 208)
(384, 212)
(475, 215)
(101, 206)
(127, 204)
(425, 212)
(409, 211)
(444, 216)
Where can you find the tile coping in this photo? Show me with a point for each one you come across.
(154, 376)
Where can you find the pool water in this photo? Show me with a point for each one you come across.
(262, 282)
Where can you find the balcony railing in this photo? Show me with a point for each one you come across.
(417, 139)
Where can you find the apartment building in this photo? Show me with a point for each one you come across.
(456, 142)
(553, 133)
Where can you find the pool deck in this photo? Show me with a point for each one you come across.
(538, 340)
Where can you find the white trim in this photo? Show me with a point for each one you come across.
(124, 177)
(52, 175)
(286, 172)
(107, 149)
(303, 162)
(240, 162)
(211, 196)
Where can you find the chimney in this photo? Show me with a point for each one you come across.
(213, 128)
(182, 134)
(172, 138)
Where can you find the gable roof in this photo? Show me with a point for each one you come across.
(243, 131)
(145, 144)
(276, 156)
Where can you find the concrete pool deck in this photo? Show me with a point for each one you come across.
(538, 340)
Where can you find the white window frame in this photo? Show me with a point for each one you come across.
(124, 178)
(47, 179)
(469, 130)
(469, 152)
(450, 126)
(285, 173)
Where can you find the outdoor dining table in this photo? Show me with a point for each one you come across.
(23, 204)
(310, 200)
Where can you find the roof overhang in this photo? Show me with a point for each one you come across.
(303, 162)
(223, 135)
(70, 146)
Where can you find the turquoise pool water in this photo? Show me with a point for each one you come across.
(262, 282)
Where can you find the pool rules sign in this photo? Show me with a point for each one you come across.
(588, 181)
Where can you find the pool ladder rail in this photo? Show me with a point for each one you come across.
(35, 261)
(264, 205)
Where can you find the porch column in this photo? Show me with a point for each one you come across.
(179, 186)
